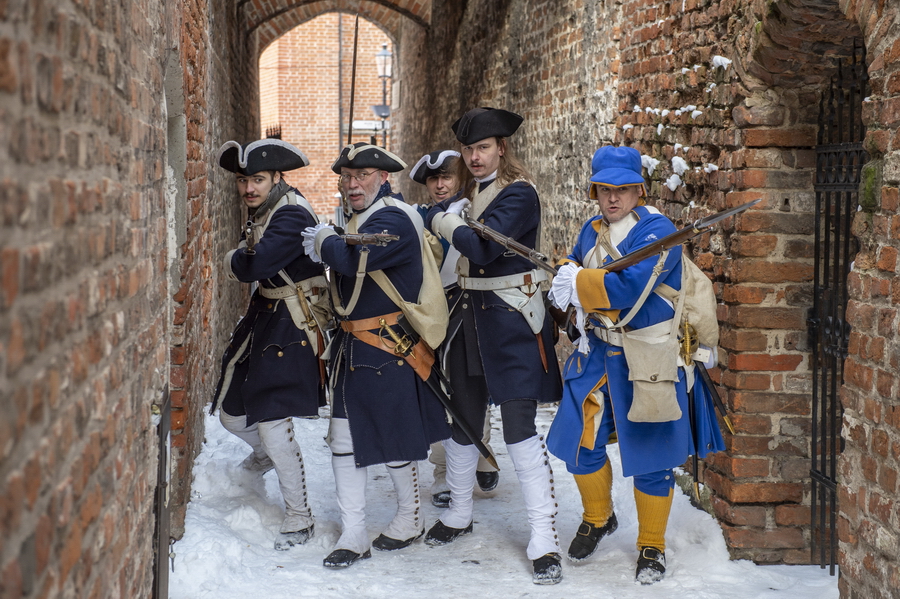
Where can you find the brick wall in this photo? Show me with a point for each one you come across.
(300, 90)
(99, 314)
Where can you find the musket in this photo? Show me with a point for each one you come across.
(379, 239)
(699, 226)
(669, 241)
(248, 237)
(511, 244)
(434, 383)
(353, 80)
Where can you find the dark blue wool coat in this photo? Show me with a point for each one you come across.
(277, 375)
(394, 416)
(508, 348)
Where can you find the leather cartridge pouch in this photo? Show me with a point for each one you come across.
(653, 370)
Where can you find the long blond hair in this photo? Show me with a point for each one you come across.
(510, 170)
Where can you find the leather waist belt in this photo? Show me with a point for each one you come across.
(277, 292)
(366, 324)
(701, 354)
(420, 357)
(311, 286)
(504, 282)
(611, 337)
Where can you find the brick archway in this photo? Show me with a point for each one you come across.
(274, 19)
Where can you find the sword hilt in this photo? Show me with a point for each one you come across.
(402, 345)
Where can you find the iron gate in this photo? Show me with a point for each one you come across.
(839, 161)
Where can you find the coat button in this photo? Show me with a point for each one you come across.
(653, 377)
(303, 343)
(399, 362)
(481, 271)
(465, 306)
(466, 295)
(269, 306)
(610, 353)
(280, 354)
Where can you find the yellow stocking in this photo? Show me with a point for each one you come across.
(653, 516)
(596, 494)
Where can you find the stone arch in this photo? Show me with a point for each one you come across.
(278, 17)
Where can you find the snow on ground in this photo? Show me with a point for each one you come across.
(234, 515)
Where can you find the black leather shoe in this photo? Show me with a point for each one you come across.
(441, 499)
(441, 534)
(651, 566)
(547, 569)
(344, 558)
(487, 481)
(383, 543)
(585, 542)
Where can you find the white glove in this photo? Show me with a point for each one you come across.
(458, 206)
(564, 291)
(309, 240)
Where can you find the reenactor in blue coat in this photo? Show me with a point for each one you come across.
(437, 172)
(627, 380)
(382, 410)
(504, 339)
(271, 371)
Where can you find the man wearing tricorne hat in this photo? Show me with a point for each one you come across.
(627, 380)
(382, 412)
(271, 370)
(437, 172)
(504, 341)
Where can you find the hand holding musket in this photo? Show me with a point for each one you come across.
(511, 244)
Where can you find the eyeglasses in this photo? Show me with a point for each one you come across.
(359, 178)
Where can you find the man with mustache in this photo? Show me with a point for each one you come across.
(382, 412)
(437, 172)
(503, 340)
(271, 370)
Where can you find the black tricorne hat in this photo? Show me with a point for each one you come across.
(431, 164)
(481, 123)
(261, 155)
(365, 155)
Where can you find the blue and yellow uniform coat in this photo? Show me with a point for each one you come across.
(278, 374)
(644, 447)
(508, 349)
(393, 415)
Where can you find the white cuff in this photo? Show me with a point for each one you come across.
(320, 237)
(228, 271)
(446, 224)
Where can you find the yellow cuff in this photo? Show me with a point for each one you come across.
(592, 289)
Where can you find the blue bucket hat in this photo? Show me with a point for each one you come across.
(616, 166)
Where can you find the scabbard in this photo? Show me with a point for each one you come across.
(435, 386)
(720, 406)
(695, 460)
(434, 383)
